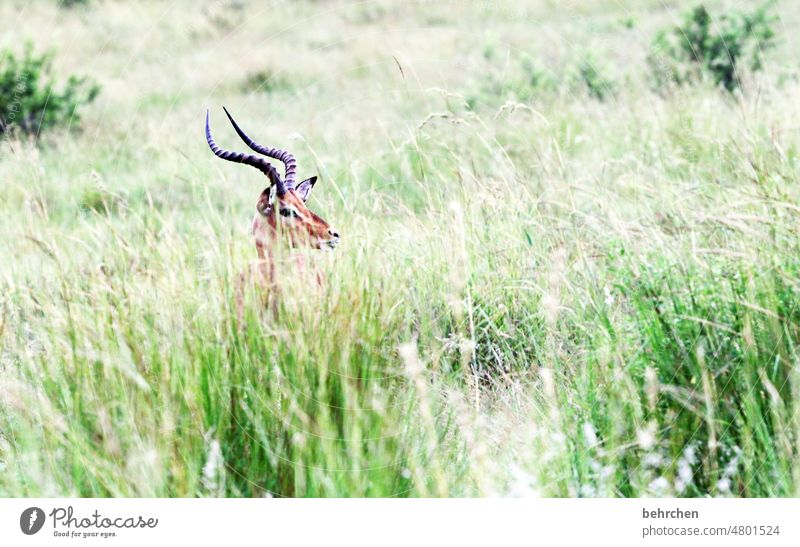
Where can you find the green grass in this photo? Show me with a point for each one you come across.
(561, 297)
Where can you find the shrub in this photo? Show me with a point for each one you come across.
(29, 98)
(266, 81)
(225, 15)
(713, 46)
(99, 200)
(523, 81)
(527, 79)
(592, 76)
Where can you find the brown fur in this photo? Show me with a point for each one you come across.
(270, 231)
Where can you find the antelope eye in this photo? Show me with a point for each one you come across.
(288, 213)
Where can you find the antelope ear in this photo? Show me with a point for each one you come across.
(304, 188)
(266, 200)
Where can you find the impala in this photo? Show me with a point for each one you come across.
(282, 220)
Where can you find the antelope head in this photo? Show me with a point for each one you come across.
(281, 212)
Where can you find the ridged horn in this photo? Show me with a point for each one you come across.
(275, 153)
(248, 159)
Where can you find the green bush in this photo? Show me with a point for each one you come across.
(593, 77)
(72, 3)
(523, 81)
(266, 81)
(714, 46)
(30, 99)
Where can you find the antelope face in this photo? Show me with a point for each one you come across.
(288, 216)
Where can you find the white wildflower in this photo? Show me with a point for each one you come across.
(724, 483)
(609, 300)
(653, 459)
(589, 434)
(212, 466)
(659, 486)
(647, 437)
(685, 473)
(522, 484)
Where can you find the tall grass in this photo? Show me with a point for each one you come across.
(562, 298)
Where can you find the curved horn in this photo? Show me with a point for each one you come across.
(280, 155)
(254, 161)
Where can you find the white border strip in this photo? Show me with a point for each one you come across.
(406, 523)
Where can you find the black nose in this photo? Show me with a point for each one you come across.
(333, 234)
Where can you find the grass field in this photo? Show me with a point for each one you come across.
(550, 282)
